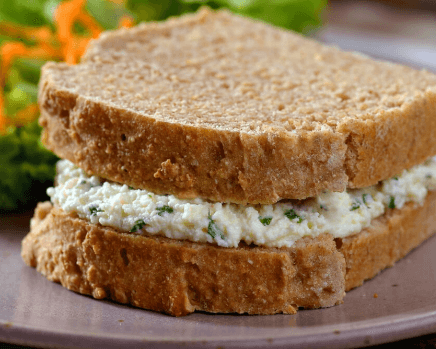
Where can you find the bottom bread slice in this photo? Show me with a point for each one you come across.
(178, 277)
(388, 239)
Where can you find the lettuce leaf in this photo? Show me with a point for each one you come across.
(298, 15)
(27, 168)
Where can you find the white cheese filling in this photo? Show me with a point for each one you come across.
(277, 225)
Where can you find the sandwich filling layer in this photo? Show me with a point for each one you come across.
(225, 224)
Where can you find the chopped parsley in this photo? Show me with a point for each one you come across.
(163, 209)
(265, 220)
(213, 230)
(323, 207)
(355, 206)
(139, 224)
(291, 214)
(395, 177)
(392, 202)
(364, 199)
(85, 182)
(94, 209)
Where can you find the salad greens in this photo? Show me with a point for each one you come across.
(27, 168)
(298, 15)
(32, 32)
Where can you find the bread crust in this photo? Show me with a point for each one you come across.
(179, 277)
(330, 120)
(189, 162)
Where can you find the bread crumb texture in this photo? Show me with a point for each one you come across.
(180, 277)
(219, 106)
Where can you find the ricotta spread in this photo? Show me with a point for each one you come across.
(278, 225)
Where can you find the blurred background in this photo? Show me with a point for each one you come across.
(35, 31)
(399, 30)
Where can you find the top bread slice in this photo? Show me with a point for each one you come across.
(222, 107)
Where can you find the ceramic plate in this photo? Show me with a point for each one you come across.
(34, 311)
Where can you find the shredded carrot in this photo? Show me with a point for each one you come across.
(40, 35)
(67, 13)
(90, 24)
(12, 50)
(126, 22)
(3, 120)
(21, 118)
(74, 49)
(64, 44)
(9, 51)
(26, 115)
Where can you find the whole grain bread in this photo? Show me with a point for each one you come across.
(226, 108)
(179, 277)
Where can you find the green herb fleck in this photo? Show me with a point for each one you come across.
(355, 206)
(94, 209)
(265, 220)
(428, 176)
(213, 230)
(395, 177)
(163, 209)
(392, 202)
(323, 207)
(138, 225)
(131, 188)
(364, 199)
(291, 215)
(85, 182)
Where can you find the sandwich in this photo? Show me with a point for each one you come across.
(216, 163)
